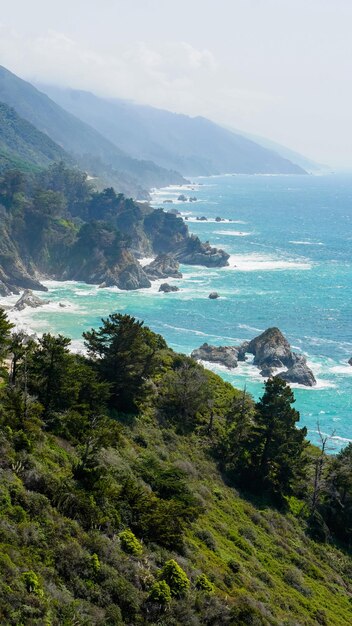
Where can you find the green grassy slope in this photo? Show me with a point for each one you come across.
(264, 568)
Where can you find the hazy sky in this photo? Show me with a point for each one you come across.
(278, 68)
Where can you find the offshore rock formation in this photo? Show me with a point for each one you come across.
(166, 288)
(271, 351)
(214, 295)
(29, 299)
(225, 355)
(193, 252)
(299, 373)
(163, 266)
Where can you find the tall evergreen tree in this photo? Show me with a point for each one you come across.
(277, 444)
(125, 355)
(52, 375)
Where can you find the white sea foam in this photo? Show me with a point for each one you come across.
(330, 436)
(307, 243)
(342, 369)
(233, 233)
(251, 328)
(210, 220)
(265, 263)
(146, 260)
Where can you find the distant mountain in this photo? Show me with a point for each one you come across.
(23, 146)
(191, 145)
(286, 153)
(87, 146)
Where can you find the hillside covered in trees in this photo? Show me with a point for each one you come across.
(24, 147)
(54, 223)
(139, 488)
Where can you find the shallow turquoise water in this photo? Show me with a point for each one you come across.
(290, 246)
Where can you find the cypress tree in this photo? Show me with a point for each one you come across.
(277, 444)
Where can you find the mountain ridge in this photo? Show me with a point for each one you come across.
(84, 143)
(192, 145)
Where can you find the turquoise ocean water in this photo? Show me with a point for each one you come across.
(290, 245)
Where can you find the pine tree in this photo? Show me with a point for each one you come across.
(125, 355)
(277, 445)
(52, 375)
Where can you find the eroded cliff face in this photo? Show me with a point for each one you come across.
(100, 244)
(154, 232)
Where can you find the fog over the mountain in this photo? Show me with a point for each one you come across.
(276, 68)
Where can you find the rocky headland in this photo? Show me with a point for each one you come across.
(97, 240)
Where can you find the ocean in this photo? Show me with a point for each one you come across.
(289, 238)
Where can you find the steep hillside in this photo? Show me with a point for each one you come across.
(79, 139)
(21, 142)
(191, 145)
(113, 510)
(54, 223)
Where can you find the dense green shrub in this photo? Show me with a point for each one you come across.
(32, 584)
(175, 577)
(203, 584)
(160, 592)
(130, 543)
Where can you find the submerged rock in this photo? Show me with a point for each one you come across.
(29, 299)
(166, 288)
(225, 355)
(214, 295)
(163, 266)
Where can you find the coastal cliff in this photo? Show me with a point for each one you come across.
(55, 225)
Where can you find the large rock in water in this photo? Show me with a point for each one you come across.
(299, 373)
(29, 299)
(163, 266)
(166, 288)
(271, 349)
(225, 355)
(194, 252)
